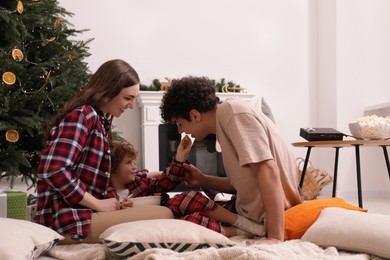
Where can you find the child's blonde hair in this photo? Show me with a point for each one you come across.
(120, 149)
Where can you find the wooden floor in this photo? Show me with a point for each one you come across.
(374, 205)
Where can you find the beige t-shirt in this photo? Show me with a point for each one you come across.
(246, 136)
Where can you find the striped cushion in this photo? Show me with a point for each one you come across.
(131, 238)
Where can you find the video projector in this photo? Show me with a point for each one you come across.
(321, 134)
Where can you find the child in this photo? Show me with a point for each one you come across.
(191, 206)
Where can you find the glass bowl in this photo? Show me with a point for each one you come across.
(370, 131)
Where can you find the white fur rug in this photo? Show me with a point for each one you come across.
(293, 249)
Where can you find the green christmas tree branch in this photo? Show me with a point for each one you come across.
(50, 71)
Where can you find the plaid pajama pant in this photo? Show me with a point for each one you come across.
(193, 206)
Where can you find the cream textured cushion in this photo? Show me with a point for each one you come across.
(130, 238)
(351, 230)
(22, 239)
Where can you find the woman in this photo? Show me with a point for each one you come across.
(74, 172)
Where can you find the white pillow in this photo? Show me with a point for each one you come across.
(351, 230)
(131, 238)
(22, 239)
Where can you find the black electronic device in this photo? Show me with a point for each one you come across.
(321, 134)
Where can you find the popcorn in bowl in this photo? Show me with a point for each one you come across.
(371, 127)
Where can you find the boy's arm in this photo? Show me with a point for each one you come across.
(167, 180)
(154, 174)
(195, 177)
(170, 178)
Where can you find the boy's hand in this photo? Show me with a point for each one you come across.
(193, 175)
(183, 149)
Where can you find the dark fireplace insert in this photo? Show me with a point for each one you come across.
(203, 153)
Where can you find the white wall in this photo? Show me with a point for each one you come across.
(353, 66)
(317, 62)
(262, 45)
(363, 78)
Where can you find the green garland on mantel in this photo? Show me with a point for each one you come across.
(220, 86)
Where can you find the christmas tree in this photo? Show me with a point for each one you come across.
(42, 67)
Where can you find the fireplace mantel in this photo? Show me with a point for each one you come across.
(149, 102)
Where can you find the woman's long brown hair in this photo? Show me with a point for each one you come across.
(105, 84)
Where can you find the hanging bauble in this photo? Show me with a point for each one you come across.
(12, 136)
(71, 57)
(9, 78)
(17, 54)
(19, 7)
(52, 39)
(57, 23)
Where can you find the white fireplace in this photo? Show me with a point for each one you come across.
(149, 102)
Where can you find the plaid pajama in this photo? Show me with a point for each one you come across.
(191, 205)
(194, 206)
(76, 159)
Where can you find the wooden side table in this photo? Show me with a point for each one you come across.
(340, 144)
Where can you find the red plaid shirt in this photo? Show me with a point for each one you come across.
(76, 159)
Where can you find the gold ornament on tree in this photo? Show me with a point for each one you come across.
(52, 39)
(12, 136)
(19, 7)
(17, 54)
(57, 23)
(9, 78)
(71, 57)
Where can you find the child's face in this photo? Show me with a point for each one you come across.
(126, 170)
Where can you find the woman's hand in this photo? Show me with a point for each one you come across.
(93, 203)
(110, 204)
(183, 149)
(126, 202)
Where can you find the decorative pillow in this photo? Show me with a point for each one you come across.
(300, 217)
(351, 230)
(22, 239)
(131, 238)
